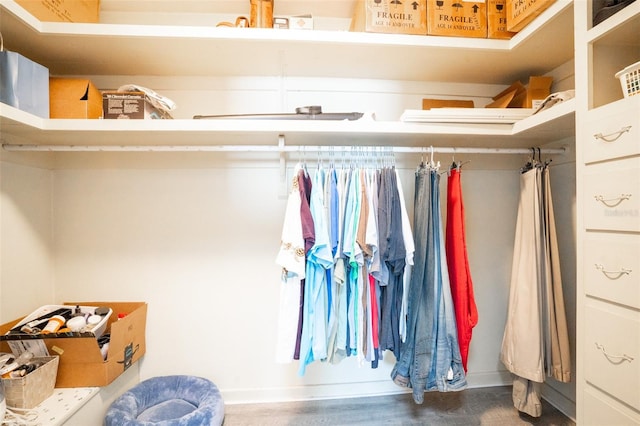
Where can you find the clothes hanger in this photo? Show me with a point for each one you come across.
(530, 162)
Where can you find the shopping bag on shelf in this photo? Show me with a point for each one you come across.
(24, 84)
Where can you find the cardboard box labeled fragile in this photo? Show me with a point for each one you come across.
(81, 363)
(390, 16)
(522, 12)
(461, 18)
(74, 98)
(130, 105)
(63, 10)
(497, 20)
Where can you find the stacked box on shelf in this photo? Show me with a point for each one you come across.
(388, 16)
(457, 18)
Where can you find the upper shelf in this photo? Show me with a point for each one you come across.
(180, 50)
(19, 127)
(621, 29)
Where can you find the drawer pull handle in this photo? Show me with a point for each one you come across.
(621, 358)
(612, 137)
(613, 275)
(612, 202)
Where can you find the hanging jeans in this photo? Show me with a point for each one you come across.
(458, 265)
(429, 358)
(449, 374)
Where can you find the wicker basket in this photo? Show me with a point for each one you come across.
(35, 387)
(630, 79)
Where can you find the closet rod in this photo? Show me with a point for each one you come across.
(278, 149)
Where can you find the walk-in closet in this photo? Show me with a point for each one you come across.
(187, 214)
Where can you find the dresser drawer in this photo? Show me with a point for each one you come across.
(613, 131)
(612, 351)
(612, 195)
(600, 410)
(612, 267)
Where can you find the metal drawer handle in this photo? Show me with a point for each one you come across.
(612, 137)
(622, 358)
(613, 275)
(612, 202)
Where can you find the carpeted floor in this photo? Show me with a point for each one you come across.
(483, 406)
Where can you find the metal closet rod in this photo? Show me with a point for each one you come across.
(347, 149)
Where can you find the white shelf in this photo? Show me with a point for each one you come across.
(19, 127)
(622, 29)
(181, 51)
(124, 49)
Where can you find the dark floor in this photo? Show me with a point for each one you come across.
(482, 406)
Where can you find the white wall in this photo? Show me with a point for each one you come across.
(199, 246)
(26, 263)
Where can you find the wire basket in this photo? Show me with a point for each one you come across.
(630, 79)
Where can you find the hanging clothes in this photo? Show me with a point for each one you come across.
(409, 246)
(393, 254)
(558, 362)
(291, 257)
(464, 302)
(429, 358)
(353, 244)
(308, 233)
(535, 335)
(313, 340)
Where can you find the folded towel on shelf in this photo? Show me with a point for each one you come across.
(555, 98)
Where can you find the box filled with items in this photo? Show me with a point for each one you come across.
(32, 381)
(457, 19)
(96, 341)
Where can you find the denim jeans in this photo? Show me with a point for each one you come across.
(430, 357)
(414, 363)
(449, 373)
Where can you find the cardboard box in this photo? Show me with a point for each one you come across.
(63, 10)
(457, 18)
(81, 363)
(24, 84)
(446, 103)
(520, 96)
(497, 20)
(130, 105)
(521, 12)
(389, 16)
(533, 94)
(35, 387)
(74, 98)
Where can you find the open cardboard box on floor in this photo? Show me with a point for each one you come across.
(81, 363)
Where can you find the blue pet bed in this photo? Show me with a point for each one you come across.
(168, 401)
